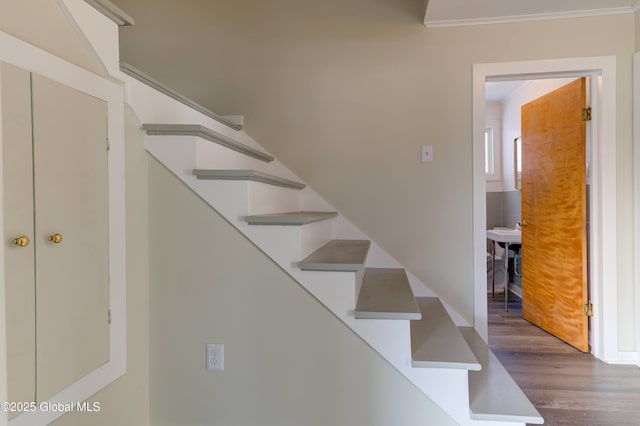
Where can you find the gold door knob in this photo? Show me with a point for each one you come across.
(55, 238)
(21, 241)
(522, 223)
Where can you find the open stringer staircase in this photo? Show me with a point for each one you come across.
(353, 277)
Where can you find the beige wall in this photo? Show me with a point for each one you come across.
(637, 26)
(345, 95)
(287, 360)
(126, 401)
(44, 24)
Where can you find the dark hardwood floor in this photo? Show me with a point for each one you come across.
(567, 387)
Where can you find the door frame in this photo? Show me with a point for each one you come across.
(603, 230)
(636, 198)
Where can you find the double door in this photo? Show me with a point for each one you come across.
(55, 211)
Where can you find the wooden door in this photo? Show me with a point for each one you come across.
(554, 240)
(71, 199)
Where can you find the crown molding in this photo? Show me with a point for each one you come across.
(532, 17)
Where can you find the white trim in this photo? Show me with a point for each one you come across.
(528, 18)
(636, 190)
(3, 323)
(603, 188)
(624, 358)
(112, 12)
(26, 56)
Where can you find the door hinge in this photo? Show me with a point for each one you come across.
(586, 114)
(588, 309)
(109, 316)
(108, 145)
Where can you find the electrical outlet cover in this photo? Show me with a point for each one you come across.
(215, 356)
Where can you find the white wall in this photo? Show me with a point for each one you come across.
(288, 361)
(37, 21)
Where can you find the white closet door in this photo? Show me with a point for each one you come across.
(71, 200)
(17, 200)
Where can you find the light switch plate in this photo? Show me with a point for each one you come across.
(427, 153)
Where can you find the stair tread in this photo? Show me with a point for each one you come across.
(337, 255)
(208, 134)
(493, 394)
(436, 341)
(386, 294)
(290, 218)
(251, 175)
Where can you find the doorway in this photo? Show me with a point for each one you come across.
(549, 112)
(603, 186)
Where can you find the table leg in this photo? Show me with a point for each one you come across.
(493, 270)
(506, 272)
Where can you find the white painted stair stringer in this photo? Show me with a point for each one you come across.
(336, 290)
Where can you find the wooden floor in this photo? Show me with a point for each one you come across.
(566, 386)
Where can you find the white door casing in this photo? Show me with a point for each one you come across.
(603, 250)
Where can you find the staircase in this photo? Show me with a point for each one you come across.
(354, 278)
(330, 257)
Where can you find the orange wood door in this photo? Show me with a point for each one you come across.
(554, 240)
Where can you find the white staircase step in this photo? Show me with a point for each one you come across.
(436, 342)
(205, 133)
(337, 255)
(249, 175)
(386, 294)
(289, 219)
(493, 394)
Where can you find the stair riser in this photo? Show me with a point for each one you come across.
(234, 194)
(334, 288)
(449, 389)
(211, 155)
(264, 198)
(177, 155)
(359, 280)
(288, 242)
(314, 236)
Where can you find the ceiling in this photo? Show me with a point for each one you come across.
(442, 13)
(498, 91)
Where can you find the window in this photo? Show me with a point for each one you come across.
(488, 151)
(492, 150)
